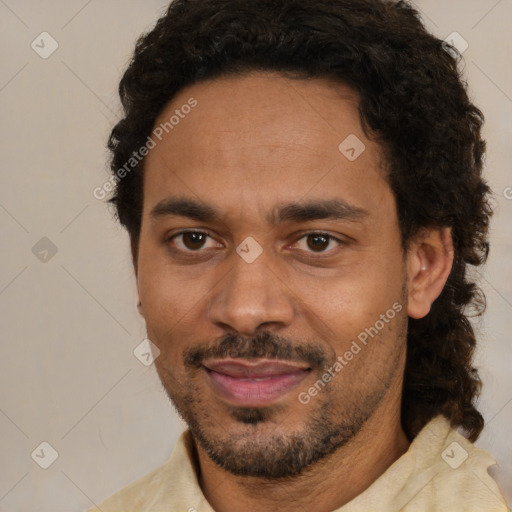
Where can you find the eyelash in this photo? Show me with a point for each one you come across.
(305, 235)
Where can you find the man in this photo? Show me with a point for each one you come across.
(301, 182)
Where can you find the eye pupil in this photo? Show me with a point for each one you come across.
(318, 242)
(193, 240)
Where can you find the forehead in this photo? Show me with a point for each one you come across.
(261, 138)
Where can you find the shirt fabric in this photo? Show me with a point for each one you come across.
(440, 472)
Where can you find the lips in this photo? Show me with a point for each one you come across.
(253, 383)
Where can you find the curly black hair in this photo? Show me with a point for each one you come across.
(413, 101)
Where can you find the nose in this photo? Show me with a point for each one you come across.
(252, 297)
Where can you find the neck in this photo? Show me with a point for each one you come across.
(328, 485)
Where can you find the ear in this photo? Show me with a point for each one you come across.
(429, 262)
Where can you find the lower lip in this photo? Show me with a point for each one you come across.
(255, 393)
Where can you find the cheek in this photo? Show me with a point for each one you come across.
(348, 308)
(158, 294)
(173, 302)
(156, 280)
(363, 290)
(169, 307)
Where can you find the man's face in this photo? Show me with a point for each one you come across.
(244, 336)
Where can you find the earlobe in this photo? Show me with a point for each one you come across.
(429, 262)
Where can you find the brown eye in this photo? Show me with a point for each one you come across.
(318, 242)
(190, 241)
(193, 240)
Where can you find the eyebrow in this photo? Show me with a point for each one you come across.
(328, 209)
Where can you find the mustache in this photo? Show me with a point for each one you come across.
(263, 345)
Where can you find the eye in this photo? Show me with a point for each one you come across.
(318, 242)
(190, 241)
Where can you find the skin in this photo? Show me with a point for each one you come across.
(252, 143)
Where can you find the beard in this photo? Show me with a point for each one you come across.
(259, 446)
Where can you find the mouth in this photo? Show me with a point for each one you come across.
(254, 383)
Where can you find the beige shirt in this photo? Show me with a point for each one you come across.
(441, 471)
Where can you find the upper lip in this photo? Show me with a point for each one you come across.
(259, 368)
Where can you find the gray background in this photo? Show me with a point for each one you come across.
(68, 375)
